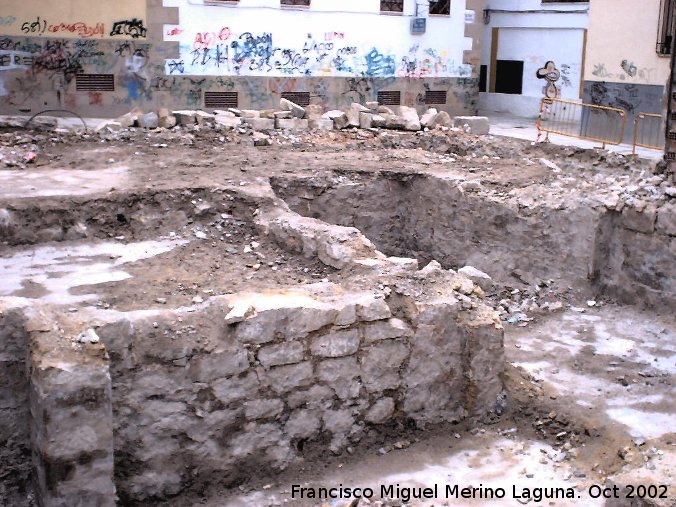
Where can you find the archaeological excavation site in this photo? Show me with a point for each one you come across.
(342, 312)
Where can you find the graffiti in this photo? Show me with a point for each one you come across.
(378, 64)
(7, 20)
(130, 27)
(600, 71)
(10, 60)
(551, 75)
(565, 75)
(174, 31)
(208, 39)
(95, 98)
(176, 66)
(82, 30)
(329, 36)
(629, 68)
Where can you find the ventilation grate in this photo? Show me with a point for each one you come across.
(389, 98)
(300, 98)
(95, 82)
(296, 2)
(436, 97)
(221, 99)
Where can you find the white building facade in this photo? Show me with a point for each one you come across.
(525, 40)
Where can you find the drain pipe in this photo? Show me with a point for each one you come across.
(84, 124)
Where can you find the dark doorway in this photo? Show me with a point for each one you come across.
(509, 77)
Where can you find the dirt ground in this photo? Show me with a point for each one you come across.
(590, 387)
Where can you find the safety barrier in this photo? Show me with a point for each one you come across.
(600, 124)
(648, 131)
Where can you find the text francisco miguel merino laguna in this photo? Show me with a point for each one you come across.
(406, 494)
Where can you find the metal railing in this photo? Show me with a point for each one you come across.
(648, 132)
(600, 124)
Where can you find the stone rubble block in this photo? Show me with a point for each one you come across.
(443, 119)
(372, 308)
(314, 112)
(263, 409)
(282, 379)
(479, 277)
(257, 123)
(320, 124)
(279, 355)
(394, 122)
(366, 120)
(184, 118)
(303, 424)
(666, 219)
(167, 122)
(427, 119)
(410, 118)
(384, 110)
(380, 411)
(384, 330)
(203, 118)
(639, 221)
(341, 375)
(336, 344)
(339, 118)
(476, 125)
(148, 121)
(354, 114)
(380, 365)
(227, 122)
(378, 121)
(283, 115)
(218, 365)
(249, 113)
(233, 389)
(372, 105)
(296, 110)
(292, 124)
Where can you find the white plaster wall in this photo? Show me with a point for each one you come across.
(347, 38)
(536, 46)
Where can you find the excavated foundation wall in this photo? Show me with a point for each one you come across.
(628, 254)
(14, 410)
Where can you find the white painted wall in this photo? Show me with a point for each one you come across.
(344, 39)
(535, 38)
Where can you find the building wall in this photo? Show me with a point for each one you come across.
(168, 54)
(534, 33)
(623, 68)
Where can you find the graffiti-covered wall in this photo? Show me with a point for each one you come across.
(623, 68)
(168, 53)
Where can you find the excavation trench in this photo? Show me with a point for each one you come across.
(162, 342)
(427, 217)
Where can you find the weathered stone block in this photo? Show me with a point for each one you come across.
(443, 119)
(302, 424)
(167, 122)
(373, 309)
(203, 118)
(339, 119)
(366, 120)
(313, 111)
(215, 365)
(263, 409)
(337, 344)
(283, 115)
(378, 121)
(479, 277)
(259, 123)
(427, 119)
(185, 117)
(227, 122)
(291, 124)
(380, 366)
(410, 117)
(666, 219)
(148, 121)
(284, 353)
(639, 221)
(477, 125)
(372, 105)
(284, 378)
(392, 328)
(249, 113)
(321, 124)
(394, 122)
(317, 396)
(233, 389)
(296, 110)
(381, 411)
(340, 375)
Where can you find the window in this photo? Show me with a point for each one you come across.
(440, 7)
(483, 78)
(296, 2)
(300, 98)
(389, 98)
(509, 77)
(391, 5)
(95, 82)
(436, 97)
(667, 28)
(221, 99)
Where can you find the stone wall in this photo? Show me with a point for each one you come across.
(244, 382)
(15, 468)
(628, 254)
